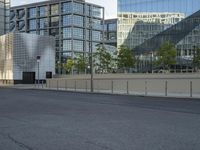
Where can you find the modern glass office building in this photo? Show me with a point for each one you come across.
(150, 23)
(76, 24)
(187, 7)
(110, 34)
(4, 16)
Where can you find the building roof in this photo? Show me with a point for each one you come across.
(51, 2)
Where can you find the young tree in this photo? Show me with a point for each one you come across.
(166, 55)
(68, 65)
(102, 59)
(125, 58)
(196, 58)
(81, 63)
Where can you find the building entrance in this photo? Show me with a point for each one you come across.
(28, 78)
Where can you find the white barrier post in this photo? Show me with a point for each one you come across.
(127, 87)
(191, 89)
(166, 88)
(145, 88)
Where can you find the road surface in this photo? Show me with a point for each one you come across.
(56, 120)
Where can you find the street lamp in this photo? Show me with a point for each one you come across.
(91, 57)
(151, 57)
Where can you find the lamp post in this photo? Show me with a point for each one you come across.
(38, 63)
(194, 56)
(151, 61)
(91, 57)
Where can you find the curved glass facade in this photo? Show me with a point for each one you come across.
(144, 25)
(187, 7)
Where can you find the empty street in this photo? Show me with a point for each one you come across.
(56, 120)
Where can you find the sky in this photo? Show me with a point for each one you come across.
(110, 5)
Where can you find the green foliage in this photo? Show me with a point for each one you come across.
(81, 63)
(166, 55)
(102, 59)
(125, 58)
(68, 65)
(196, 59)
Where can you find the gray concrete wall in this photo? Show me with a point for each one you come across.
(173, 85)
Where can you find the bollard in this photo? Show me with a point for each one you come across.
(112, 86)
(46, 84)
(146, 88)
(65, 84)
(42, 83)
(57, 84)
(86, 85)
(75, 85)
(191, 89)
(127, 87)
(49, 84)
(166, 88)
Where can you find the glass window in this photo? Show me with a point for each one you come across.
(96, 35)
(67, 32)
(67, 45)
(54, 9)
(43, 11)
(43, 23)
(54, 32)
(32, 12)
(77, 8)
(78, 20)
(112, 36)
(12, 15)
(96, 24)
(21, 25)
(88, 34)
(112, 27)
(54, 21)
(78, 33)
(43, 32)
(65, 56)
(87, 11)
(78, 45)
(67, 20)
(70, 7)
(20, 13)
(97, 12)
(32, 24)
(67, 7)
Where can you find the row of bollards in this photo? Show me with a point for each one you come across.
(73, 85)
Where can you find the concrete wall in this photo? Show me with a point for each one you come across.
(175, 85)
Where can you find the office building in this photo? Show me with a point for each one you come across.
(135, 28)
(76, 25)
(4, 16)
(25, 58)
(110, 32)
(176, 21)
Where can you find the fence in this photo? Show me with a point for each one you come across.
(152, 86)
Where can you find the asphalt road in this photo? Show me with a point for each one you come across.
(52, 120)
